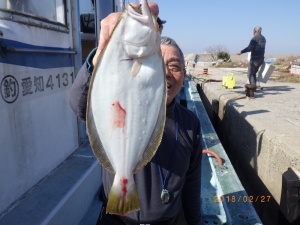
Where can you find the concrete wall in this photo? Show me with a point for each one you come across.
(260, 136)
(295, 69)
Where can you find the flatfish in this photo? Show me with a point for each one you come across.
(126, 107)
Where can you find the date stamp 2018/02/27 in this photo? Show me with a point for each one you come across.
(242, 198)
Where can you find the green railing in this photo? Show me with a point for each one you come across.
(224, 199)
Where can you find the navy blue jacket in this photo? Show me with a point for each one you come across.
(184, 182)
(256, 47)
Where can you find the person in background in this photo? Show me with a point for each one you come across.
(257, 48)
(171, 182)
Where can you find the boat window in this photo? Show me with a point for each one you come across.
(53, 10)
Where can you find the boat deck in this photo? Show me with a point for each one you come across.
(224, 199)
(71, 189)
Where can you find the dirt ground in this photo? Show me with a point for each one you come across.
(280, 74)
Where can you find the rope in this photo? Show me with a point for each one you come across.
(218, 158)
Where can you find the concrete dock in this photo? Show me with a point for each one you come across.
(261, 137)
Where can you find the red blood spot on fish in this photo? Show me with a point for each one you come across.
(119, 115)
(124, 182)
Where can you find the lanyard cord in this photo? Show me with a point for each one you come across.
(163, 178)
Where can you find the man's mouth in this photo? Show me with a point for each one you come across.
(168, 86)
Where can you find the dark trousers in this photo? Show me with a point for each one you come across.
(253, 67)
(108, 219)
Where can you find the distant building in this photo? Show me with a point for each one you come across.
(295, 67)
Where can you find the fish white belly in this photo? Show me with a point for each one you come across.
(126, 109)
(127, 104)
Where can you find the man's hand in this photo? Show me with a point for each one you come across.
(108, 24)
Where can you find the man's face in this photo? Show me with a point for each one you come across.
(175, 71)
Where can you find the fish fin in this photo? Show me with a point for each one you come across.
(135, 68)
(96, 143)
(122, 199)
(91, 129)
(155, 139)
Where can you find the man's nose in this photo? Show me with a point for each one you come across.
(168, 73)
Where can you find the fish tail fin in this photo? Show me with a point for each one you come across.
(123, 197)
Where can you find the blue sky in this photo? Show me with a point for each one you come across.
(197, 25)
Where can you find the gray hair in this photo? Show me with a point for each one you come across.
(170, 41)
(257, 29)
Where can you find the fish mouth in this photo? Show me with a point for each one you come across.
(143, 14)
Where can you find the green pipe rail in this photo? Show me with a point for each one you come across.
(224, 199)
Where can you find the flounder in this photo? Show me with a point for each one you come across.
(126, 107)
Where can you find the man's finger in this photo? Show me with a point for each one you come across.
(154, 8)
(107, 26)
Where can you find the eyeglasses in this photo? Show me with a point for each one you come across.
(174, 69)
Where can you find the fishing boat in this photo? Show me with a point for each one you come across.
(49, 174)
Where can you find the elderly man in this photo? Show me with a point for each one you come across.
(176, 166)
(257, 48)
